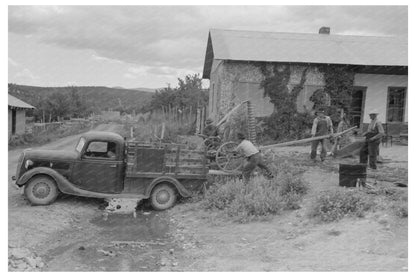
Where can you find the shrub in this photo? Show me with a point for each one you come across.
(220, 196)
(335, 205)
(292, 184)
(291, 191)
(258, 198)
(401, 210)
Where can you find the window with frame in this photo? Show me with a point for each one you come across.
(396, 102)
(101, 149)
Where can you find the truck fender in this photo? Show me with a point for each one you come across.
(167, 179)
(60, 180)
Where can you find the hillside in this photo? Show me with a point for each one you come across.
(97, 98)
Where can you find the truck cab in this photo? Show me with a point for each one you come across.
(100, 166)
(104, 165)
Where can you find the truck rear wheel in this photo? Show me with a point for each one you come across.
(163, 197)
(41, 190)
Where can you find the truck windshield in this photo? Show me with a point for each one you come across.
(80, 145)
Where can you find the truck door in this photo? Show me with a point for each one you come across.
(100, 168)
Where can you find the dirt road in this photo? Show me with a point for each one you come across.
(72, 234)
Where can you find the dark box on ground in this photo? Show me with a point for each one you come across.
(350, 173)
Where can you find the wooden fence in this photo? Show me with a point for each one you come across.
(188, 116)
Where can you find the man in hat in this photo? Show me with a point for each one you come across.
(210, 129)
(253, 156)
(210, 134)
(373, 137)
(322, 125)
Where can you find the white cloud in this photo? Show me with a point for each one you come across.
(137, 70)
(104, 59)
(361, 33)
(25, 74)
(129, 76)
(13, 62)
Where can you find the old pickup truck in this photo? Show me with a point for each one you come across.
(105, 165)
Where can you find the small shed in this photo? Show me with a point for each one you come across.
(17, 115)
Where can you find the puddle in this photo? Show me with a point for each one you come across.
(145, 227)
(123, 243)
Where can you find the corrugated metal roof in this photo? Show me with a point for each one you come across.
(305, 48)
(17, 103)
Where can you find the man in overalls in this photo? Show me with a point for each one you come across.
(322, 125)
(372, 141)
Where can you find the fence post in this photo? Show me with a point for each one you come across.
(163, 131)
(198, 120)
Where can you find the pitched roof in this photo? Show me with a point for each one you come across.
(17, 103)
(304, 48)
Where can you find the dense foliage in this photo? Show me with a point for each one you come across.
(188, 93)
(285, 122)
(334, 205)
(339, 84)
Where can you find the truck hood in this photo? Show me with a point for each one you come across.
(41, 154)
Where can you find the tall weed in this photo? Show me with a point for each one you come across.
(334, 205)
(257, 198)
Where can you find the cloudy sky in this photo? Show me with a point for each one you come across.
(150, 46)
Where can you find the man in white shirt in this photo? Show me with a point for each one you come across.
(253, 156)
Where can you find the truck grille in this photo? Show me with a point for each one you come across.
(19, 165)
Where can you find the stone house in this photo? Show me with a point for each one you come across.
(17, 115)
(379, 64)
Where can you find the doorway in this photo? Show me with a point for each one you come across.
(13, 121)
(357, 106)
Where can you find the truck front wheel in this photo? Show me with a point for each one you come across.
(41, 190)
(163, 197)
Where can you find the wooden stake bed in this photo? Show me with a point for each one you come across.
(168, 159)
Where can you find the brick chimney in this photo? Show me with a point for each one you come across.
(325, 30)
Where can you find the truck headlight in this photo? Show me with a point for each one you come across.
(28, 164)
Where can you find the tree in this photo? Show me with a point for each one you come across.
(285, 121)
(58, 105)
(77, 104)
(188, 93)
